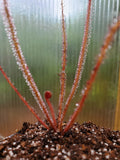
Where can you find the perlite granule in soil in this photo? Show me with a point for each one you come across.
(86, 141)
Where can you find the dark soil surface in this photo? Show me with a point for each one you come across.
(86, 141)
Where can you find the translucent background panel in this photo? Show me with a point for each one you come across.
(38, 25)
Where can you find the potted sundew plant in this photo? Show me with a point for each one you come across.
(53, 138)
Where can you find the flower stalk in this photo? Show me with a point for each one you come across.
(48, 95)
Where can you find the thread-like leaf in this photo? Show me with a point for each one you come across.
(23, 99)
(63, 74)
(12, 35)
(81, 62)
(101, 56)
